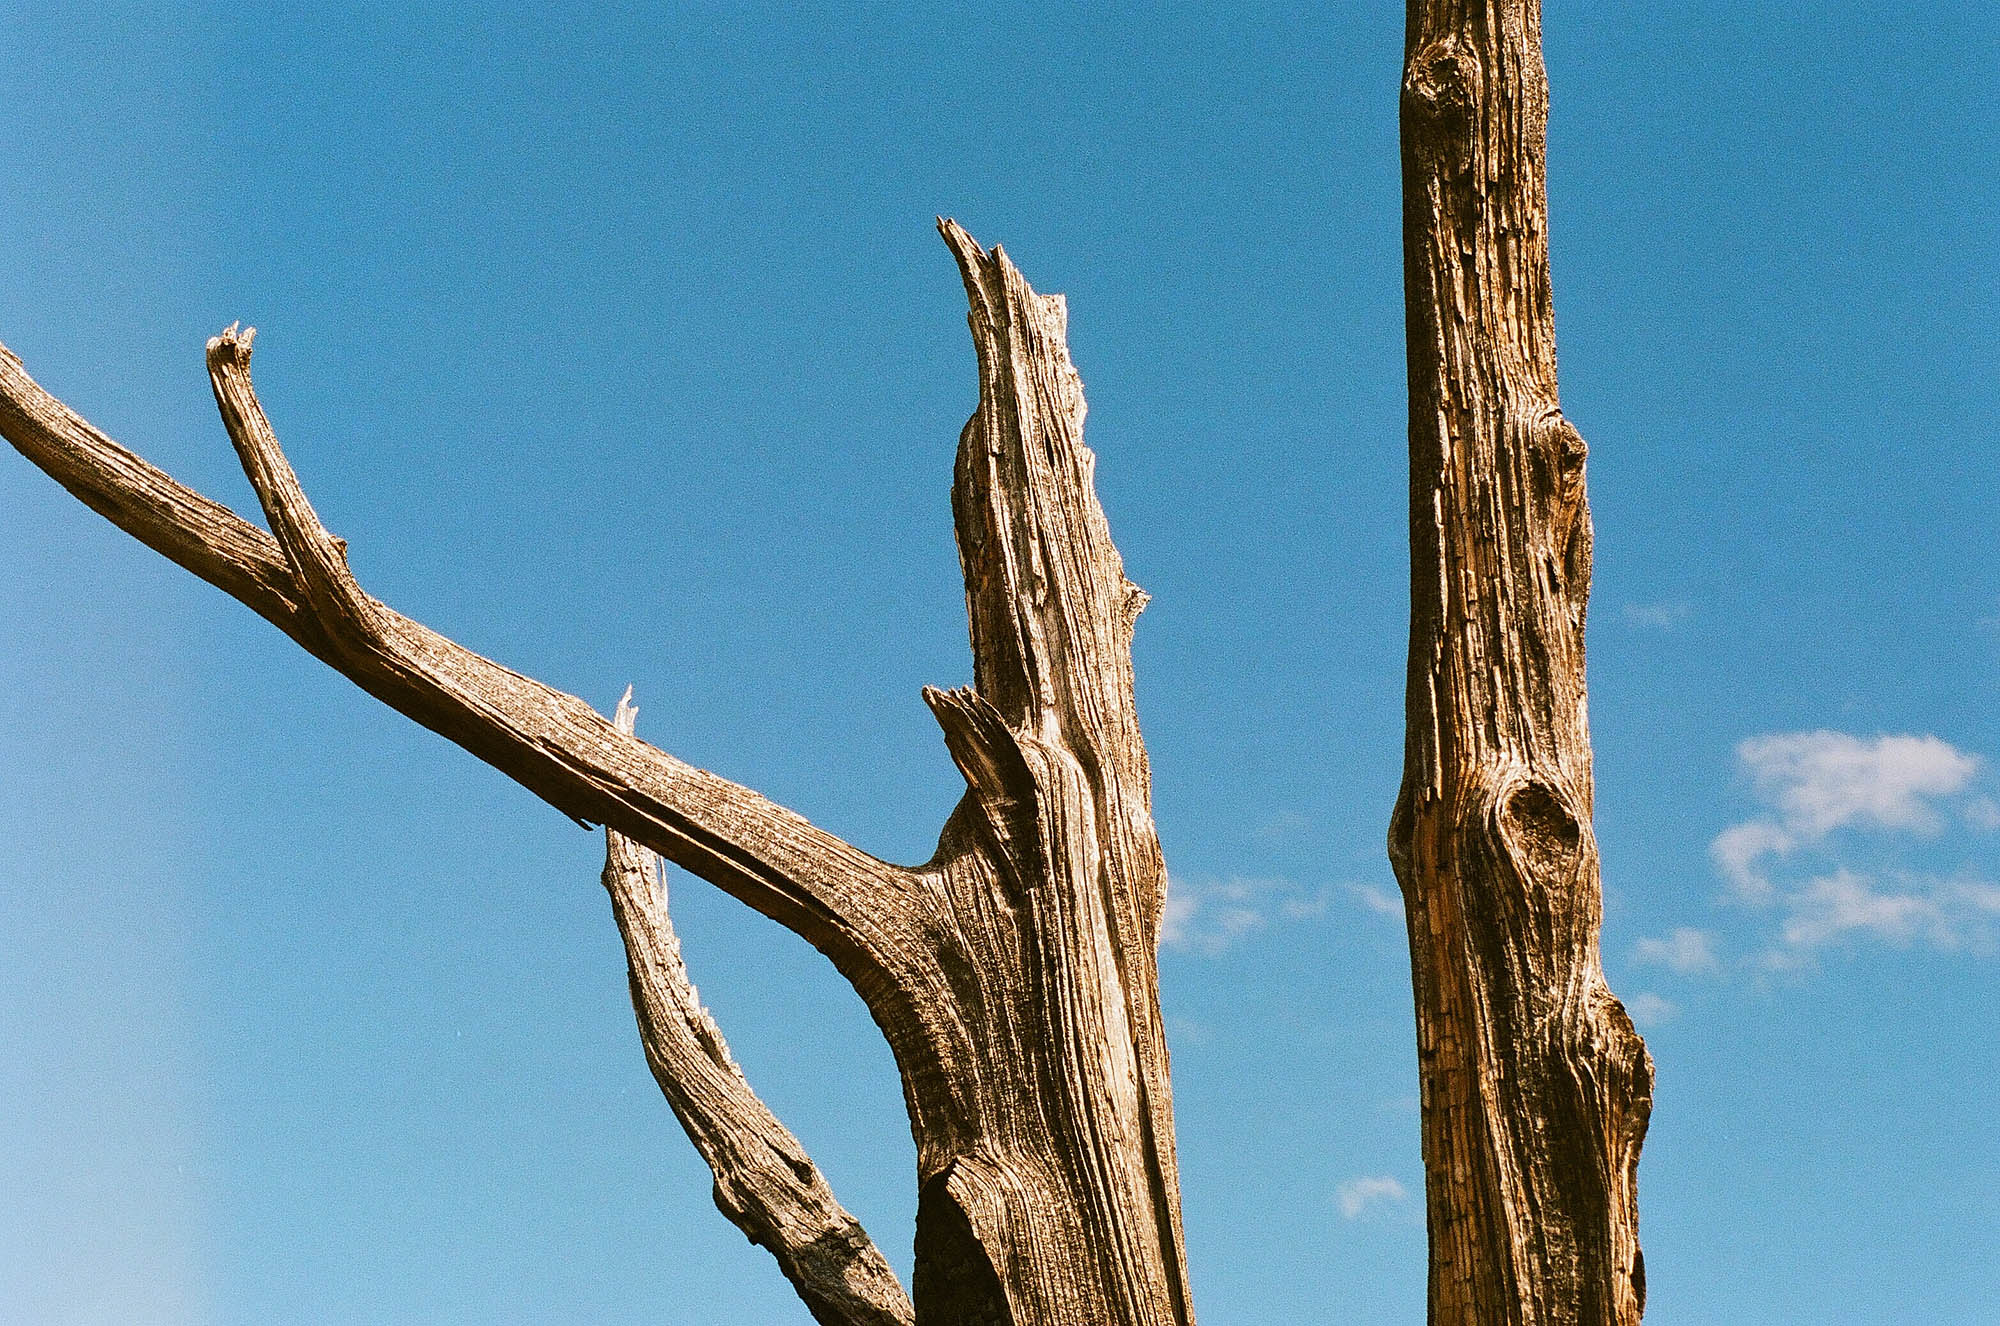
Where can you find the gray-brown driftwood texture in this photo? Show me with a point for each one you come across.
(1013, 974)
(1536, 1088)
(764, 1181)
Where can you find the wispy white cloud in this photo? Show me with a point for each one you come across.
(1650, 1010)
(1844, 903)
(1739, 852)
(1845, 907)
(1303, 907)
(1822, 780)
(1359, 1196)
(1379, 901)
(1826, 796)
(1658, 616)
(1284, 824)
(1687, 951)
(1816, 782)
(1976, 895)
(1210, 916)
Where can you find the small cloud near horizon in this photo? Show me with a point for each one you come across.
(1208, 917)
(1284, 824)
(1686, 952)
(1650, 1010)
(1379, 901)
(1359, 1196)
(1657, 616)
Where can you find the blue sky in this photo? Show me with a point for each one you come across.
(620, 347)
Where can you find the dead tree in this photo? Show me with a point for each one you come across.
(1013, 974)
(1535, 1087)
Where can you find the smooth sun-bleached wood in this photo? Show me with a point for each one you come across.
(1014, 975)
(764, 1182)
(1536, 1088)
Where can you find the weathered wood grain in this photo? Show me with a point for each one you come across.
(764, 1182)
(1536, 1088)
(1014, 974)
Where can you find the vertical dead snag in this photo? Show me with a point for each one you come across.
(1043, 1117)
(1536, 1088)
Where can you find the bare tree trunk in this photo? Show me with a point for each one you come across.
(1037, 1074)
(1014, 973)
(1536, 1088)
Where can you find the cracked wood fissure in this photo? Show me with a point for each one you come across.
(1536, 1088)
(764, 1182)
(1014, 974)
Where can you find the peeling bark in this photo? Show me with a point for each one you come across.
(1536, 1088)
(1014, 974)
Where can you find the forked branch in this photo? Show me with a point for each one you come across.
(764, 1181)
(318, 560)
(853, 907)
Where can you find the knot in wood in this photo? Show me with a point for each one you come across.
(1541, 835)
(1556, 456)
(1441, 86)
(1520, 830)
(1556, 437)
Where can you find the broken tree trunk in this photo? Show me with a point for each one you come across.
(1014, 974)
(1037, 1077)
(1536, 1088)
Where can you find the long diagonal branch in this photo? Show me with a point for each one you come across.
(857, 909)
(764, 1181)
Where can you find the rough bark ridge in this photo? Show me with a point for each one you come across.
(1536, 1088)
(1038, 1081)
(1014, 974)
